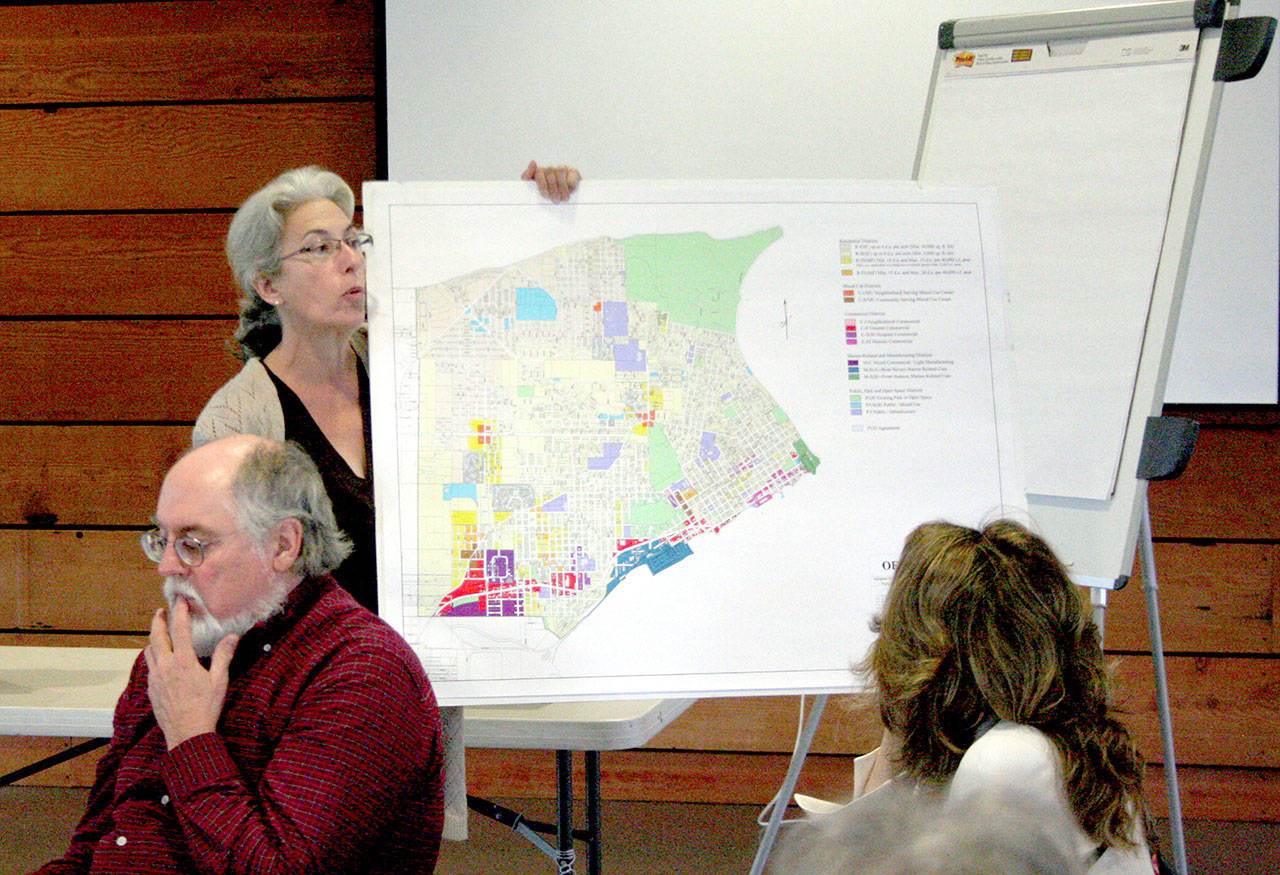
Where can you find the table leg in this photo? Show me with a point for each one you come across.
(564, 810)
(51, 761)
(594, 843)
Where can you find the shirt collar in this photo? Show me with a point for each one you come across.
(262, 638)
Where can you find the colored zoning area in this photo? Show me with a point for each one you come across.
(583, 413)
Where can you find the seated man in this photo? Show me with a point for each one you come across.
(271, 724)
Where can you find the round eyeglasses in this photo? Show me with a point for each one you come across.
(188, 548)
(323, 247)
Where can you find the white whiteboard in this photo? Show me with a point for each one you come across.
(1098, 191)
(717, 89)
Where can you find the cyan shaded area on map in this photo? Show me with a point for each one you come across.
(693, 277)
(533, 304)
(658, 555)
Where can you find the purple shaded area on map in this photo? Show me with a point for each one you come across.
(614, 314)
(628, 357)
(673, 491)
(583, 562)
(608, 456)
(500, 566)
(708, 450)
(559, 504)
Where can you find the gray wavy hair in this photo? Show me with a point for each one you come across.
(276, 482)
(254, 236)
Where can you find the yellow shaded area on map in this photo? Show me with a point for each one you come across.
(581, 370)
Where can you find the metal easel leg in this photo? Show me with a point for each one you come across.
(1098, 599)
(1151, 590)
(788, 788)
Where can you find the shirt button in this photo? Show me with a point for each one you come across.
(121, 841)
(266, 648)
(164, 800)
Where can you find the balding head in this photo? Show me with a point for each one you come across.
(211, 469)
(252, 519)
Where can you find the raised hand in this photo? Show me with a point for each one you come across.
(555, 183)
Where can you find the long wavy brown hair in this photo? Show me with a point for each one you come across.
(983, 625)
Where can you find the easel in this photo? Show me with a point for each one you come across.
(1166, 449)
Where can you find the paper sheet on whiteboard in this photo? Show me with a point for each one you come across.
(1081, 140)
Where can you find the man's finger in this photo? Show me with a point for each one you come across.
(180, 627)
(160, 633)
(221, 661)
(530, 171)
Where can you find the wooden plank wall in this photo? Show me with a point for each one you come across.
(129, 132)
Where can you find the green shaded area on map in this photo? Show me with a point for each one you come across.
(694, 277)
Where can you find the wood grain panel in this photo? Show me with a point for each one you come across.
(730, 778)
(94, 475)
(20, 751)
(113, 264)
(77, 53)
(113, 370)
(768, 724)
(1218, 794)
(76, 580)
(117, 265)
(1227, 415)
(174, 157)
(1228, 490)
(72, 639)
(1214, 598)
(753, 779)
(1225, 712)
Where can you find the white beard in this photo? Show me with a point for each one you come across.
(206, 629)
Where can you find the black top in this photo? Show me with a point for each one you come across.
(352, 496)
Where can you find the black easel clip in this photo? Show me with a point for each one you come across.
(1244, 47)
(1167, 445)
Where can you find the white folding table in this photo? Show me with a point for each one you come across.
(72, 691)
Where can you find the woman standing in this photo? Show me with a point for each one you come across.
(300, 263)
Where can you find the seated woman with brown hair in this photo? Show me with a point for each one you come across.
(990, 678)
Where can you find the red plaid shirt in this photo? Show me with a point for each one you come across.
(327, 758)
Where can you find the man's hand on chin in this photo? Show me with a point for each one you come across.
(185, 696)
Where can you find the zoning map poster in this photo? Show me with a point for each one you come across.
(667, 439)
